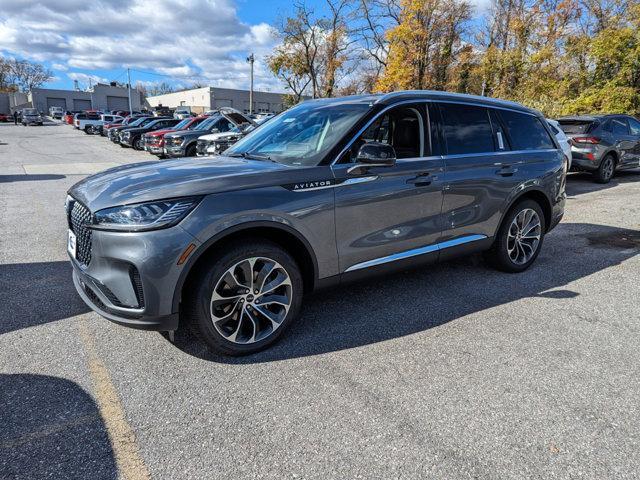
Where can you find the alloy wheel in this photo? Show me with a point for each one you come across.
(607, 167)
(523, 236)
(251, 300)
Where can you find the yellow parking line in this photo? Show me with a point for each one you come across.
(123, 438)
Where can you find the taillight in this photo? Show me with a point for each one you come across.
(591, 140)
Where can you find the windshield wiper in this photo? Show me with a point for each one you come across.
(253, 156)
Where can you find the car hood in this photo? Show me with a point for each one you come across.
(216, 136)
(187, 133)
(181, 177)
(159, 133)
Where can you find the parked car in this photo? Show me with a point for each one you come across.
(134, 136)
(56, 112)
(183, 112)
(123, 122)
(68, 117)
(80, 119)
(92, 125)
(184, 143)
(216, 143)
(330, 190)
(562, 138)
(114, 133)
(603, 144)
(154, 141)
(5, 118)
(31, 116)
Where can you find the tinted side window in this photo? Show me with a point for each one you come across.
(467, 129)
(635, 126)
(619, 126)
(525, 131)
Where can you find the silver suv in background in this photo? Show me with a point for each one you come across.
(31, 116)
(602, 144)
(329, 191)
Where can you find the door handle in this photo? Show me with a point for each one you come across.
(422, 179)
(506, 171)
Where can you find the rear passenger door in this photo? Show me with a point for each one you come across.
(489, 153)
(624, 142)
(634, 129)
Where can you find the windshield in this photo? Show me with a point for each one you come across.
(303, 135)
(575, 126)
(30, 111)
(182, 124)
(208, 123)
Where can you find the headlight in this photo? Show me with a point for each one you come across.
(145, 216)
(176, 140)
(126, 135)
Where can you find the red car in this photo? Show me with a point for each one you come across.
(5, 118)
(154, 141)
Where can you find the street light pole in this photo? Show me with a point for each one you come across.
(251, 59)
(129, 90)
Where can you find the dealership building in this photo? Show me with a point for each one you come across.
(210, 98)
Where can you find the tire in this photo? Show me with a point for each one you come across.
(606, 170)
(190, 151)
(88, 130)
(506, 246)
(246, 329)
(137, 143)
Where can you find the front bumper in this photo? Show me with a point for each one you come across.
(131, 277)
(32, 121)
(155, 149)
(174, 151)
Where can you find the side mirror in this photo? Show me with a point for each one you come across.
(375, 154)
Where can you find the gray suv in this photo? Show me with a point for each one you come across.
(329, 191)
(602, 144)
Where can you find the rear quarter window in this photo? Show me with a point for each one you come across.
(526, 132)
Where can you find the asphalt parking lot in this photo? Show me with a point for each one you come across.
(457, 371)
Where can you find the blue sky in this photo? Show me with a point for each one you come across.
(180, 41)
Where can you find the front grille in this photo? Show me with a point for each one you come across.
(79, 217)
(201, 147)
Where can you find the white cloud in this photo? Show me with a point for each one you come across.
(191, 40)
(86, 79)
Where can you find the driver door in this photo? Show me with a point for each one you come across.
(386, 215)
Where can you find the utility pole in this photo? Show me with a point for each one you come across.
(251, 59)
(129, 89)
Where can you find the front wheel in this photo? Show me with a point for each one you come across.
(519, 238)
(191, 151)
(137, 143)
(243, 299)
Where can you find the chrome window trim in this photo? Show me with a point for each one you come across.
(431, 100)
(416, 252)
(368, 124)
(499, 152)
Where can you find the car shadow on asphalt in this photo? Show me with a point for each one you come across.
(579, 183)
(360, 314)
(52, 428)
(37, 293)
(29, 178)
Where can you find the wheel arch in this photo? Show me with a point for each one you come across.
(538, 196)
(287, 237)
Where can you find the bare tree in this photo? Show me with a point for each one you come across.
(29, 75)
(159, 89)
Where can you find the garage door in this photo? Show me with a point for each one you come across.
(117, 103)
(56, 102)
(81, 104)
(221, 102)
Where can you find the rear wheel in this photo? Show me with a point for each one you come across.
(605, 171)
(519, 238)
(243, 300)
